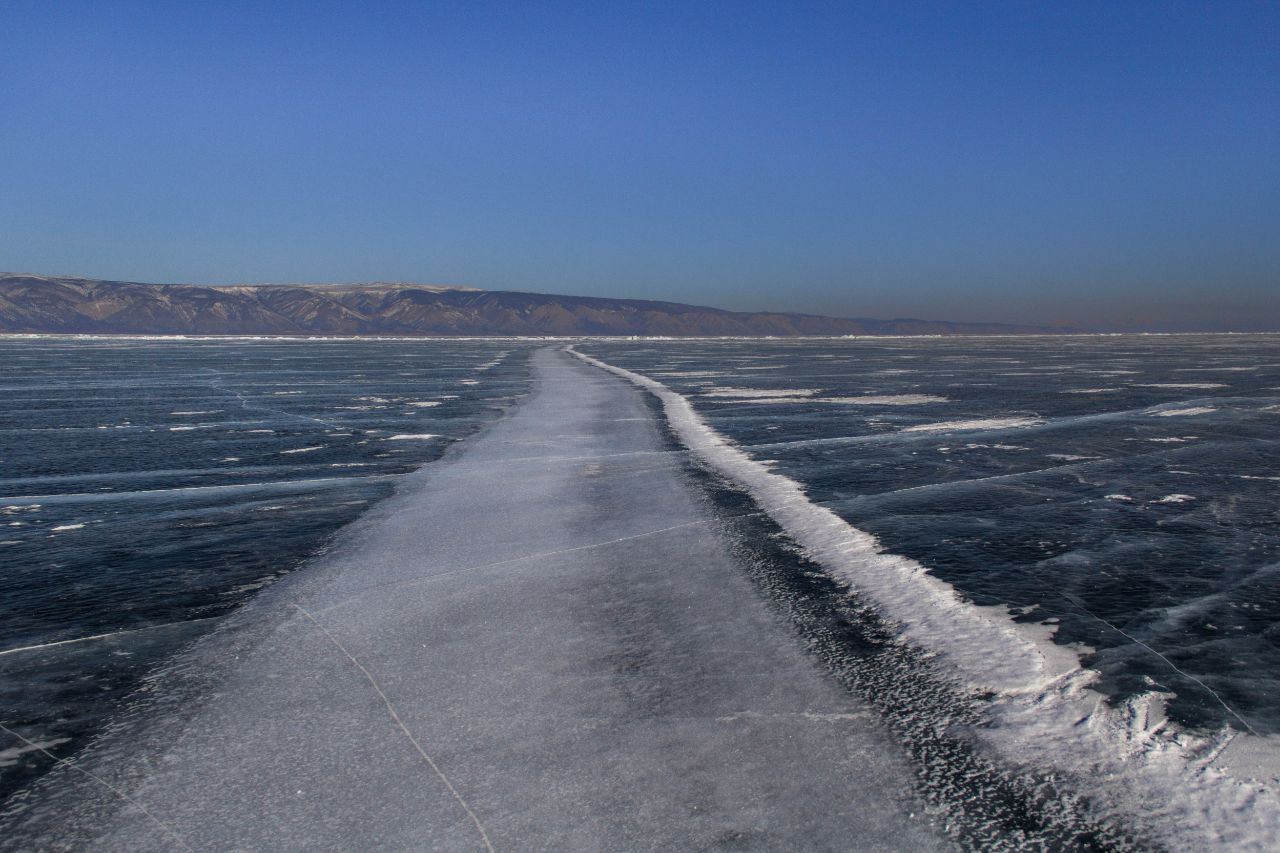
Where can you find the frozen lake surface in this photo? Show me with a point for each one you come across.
(541, 643)
(148, 488)
(831, 594)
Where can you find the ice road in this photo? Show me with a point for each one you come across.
(542, 642)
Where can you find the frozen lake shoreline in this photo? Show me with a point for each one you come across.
(542, 642)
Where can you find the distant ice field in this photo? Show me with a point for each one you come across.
(1123, 491)
(148, 487)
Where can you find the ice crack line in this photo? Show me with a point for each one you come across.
(14, 651)
(248, 406)
(395, 717)
(104, 783)
(1171, 664)
(432, 578)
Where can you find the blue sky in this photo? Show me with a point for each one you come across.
(1081, 163)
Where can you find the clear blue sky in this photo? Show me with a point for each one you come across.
(1068, 162)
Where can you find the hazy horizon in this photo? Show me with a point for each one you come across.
(1089, 166)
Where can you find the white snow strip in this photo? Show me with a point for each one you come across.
(747, 393)
(865, 400)
(1191, 385)
(62, 527)
(425, 404)
(885, 400)
(407, 437)
(977, 423)
(1192, 410)
(9, 757)
(1045, 714)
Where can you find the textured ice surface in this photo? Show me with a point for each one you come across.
(539, 643)
(133, 526)
(1042, 712)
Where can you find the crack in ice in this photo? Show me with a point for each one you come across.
(395, 716)
(104, 783)
(431, 578)
(1171, 664)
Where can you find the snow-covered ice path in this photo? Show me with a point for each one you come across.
(542, 642)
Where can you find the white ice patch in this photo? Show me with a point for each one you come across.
(1190, 410)
(204, 412)
(1045, 712)
(10, 757)
(1194, 386)
(1215, 369)
(700, 374)
(1091, 391)
(408, 437)
(1175, 499)
(62, 527)
(748, 393)
(977, 446)
(885, 400)
(1125, 498)
(425, 404)
(303, 450)
(977, 423)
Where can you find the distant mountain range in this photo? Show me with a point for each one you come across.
(49, 304)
